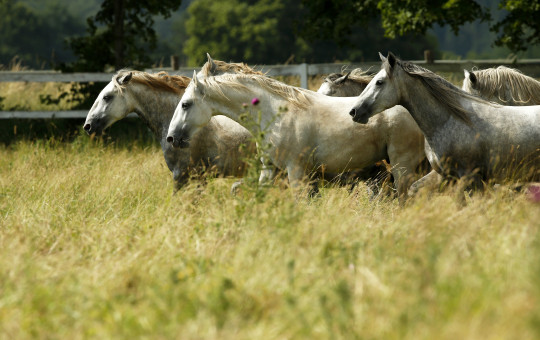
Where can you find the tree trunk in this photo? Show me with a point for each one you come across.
(118, 34)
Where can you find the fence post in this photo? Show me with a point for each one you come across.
(428, 57)
(303, 75)
(174, 62)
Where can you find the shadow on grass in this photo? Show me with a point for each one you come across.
(126, 133)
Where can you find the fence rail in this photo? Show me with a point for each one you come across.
(530, 67)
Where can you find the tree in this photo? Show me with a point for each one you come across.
(253, 31)
(122, 32)
(334, 19)
(32, 36)
(520, 28)
(266, 31)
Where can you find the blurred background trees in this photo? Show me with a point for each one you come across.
(96, 35)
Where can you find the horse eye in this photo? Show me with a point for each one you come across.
(186, 105)
(379, 82)
(107, 98)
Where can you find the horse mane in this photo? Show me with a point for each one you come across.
(161, 81)
(493, 82)
(446, 93)
(296, 96)
(357, 75)
(225, 67)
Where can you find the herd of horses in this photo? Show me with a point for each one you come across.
(487, 132)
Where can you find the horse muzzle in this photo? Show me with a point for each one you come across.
(360, 114)
(95, 126)
(178, 141)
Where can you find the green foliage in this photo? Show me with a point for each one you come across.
(263, 31)
(335, 19)
(521, 27)
(518, 30)
(397, 17)
(419, 16)
(32, 35)
(120, 34)
(256, 31)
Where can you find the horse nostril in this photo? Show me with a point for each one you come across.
(353, 113)
(87, 127)
(170, 139)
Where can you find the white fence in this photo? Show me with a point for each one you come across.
(530, 67)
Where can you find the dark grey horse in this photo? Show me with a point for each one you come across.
(467, 137)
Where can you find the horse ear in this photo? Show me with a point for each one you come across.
(340, 80)
(383, 58)
(213, 65)
(194, 79)
(391, 59)
(472, 77)
(125, 79)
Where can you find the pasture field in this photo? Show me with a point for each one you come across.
(94, 245)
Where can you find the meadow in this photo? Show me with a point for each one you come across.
(94, 244)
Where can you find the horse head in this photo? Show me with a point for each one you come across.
(111, 105)
(191, 114)
(380, 94)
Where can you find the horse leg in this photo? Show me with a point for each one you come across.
(297, 175)
(430, 181)
(268, 171)
(403, 170)
(469, 182)
(404, 156)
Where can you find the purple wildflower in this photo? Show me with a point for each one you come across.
(255, 101)
(533, 193)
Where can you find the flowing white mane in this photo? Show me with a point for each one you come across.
(296, 96)
(157, 81)
(441, 89)
(508, 85)
(217, 67)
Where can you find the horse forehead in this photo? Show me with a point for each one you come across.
(325, 87)
(189, 92)
(381, 74)
(109, 88)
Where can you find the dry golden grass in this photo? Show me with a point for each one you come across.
(94, 245)
(22, 96)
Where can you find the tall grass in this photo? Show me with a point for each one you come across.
(95, 245)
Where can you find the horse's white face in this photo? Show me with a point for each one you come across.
(469, 82)
(191, 114)
(110, 106)
(380, 94)
(327, 88)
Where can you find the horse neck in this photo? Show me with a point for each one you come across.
(155, 108)
(353, 89)
(427, 111)
(238, 103)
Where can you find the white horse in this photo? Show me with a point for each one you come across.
(345, 85)
(154, 97)
(214, 68)
(504, 85)
(467, 136)
(305, 130)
